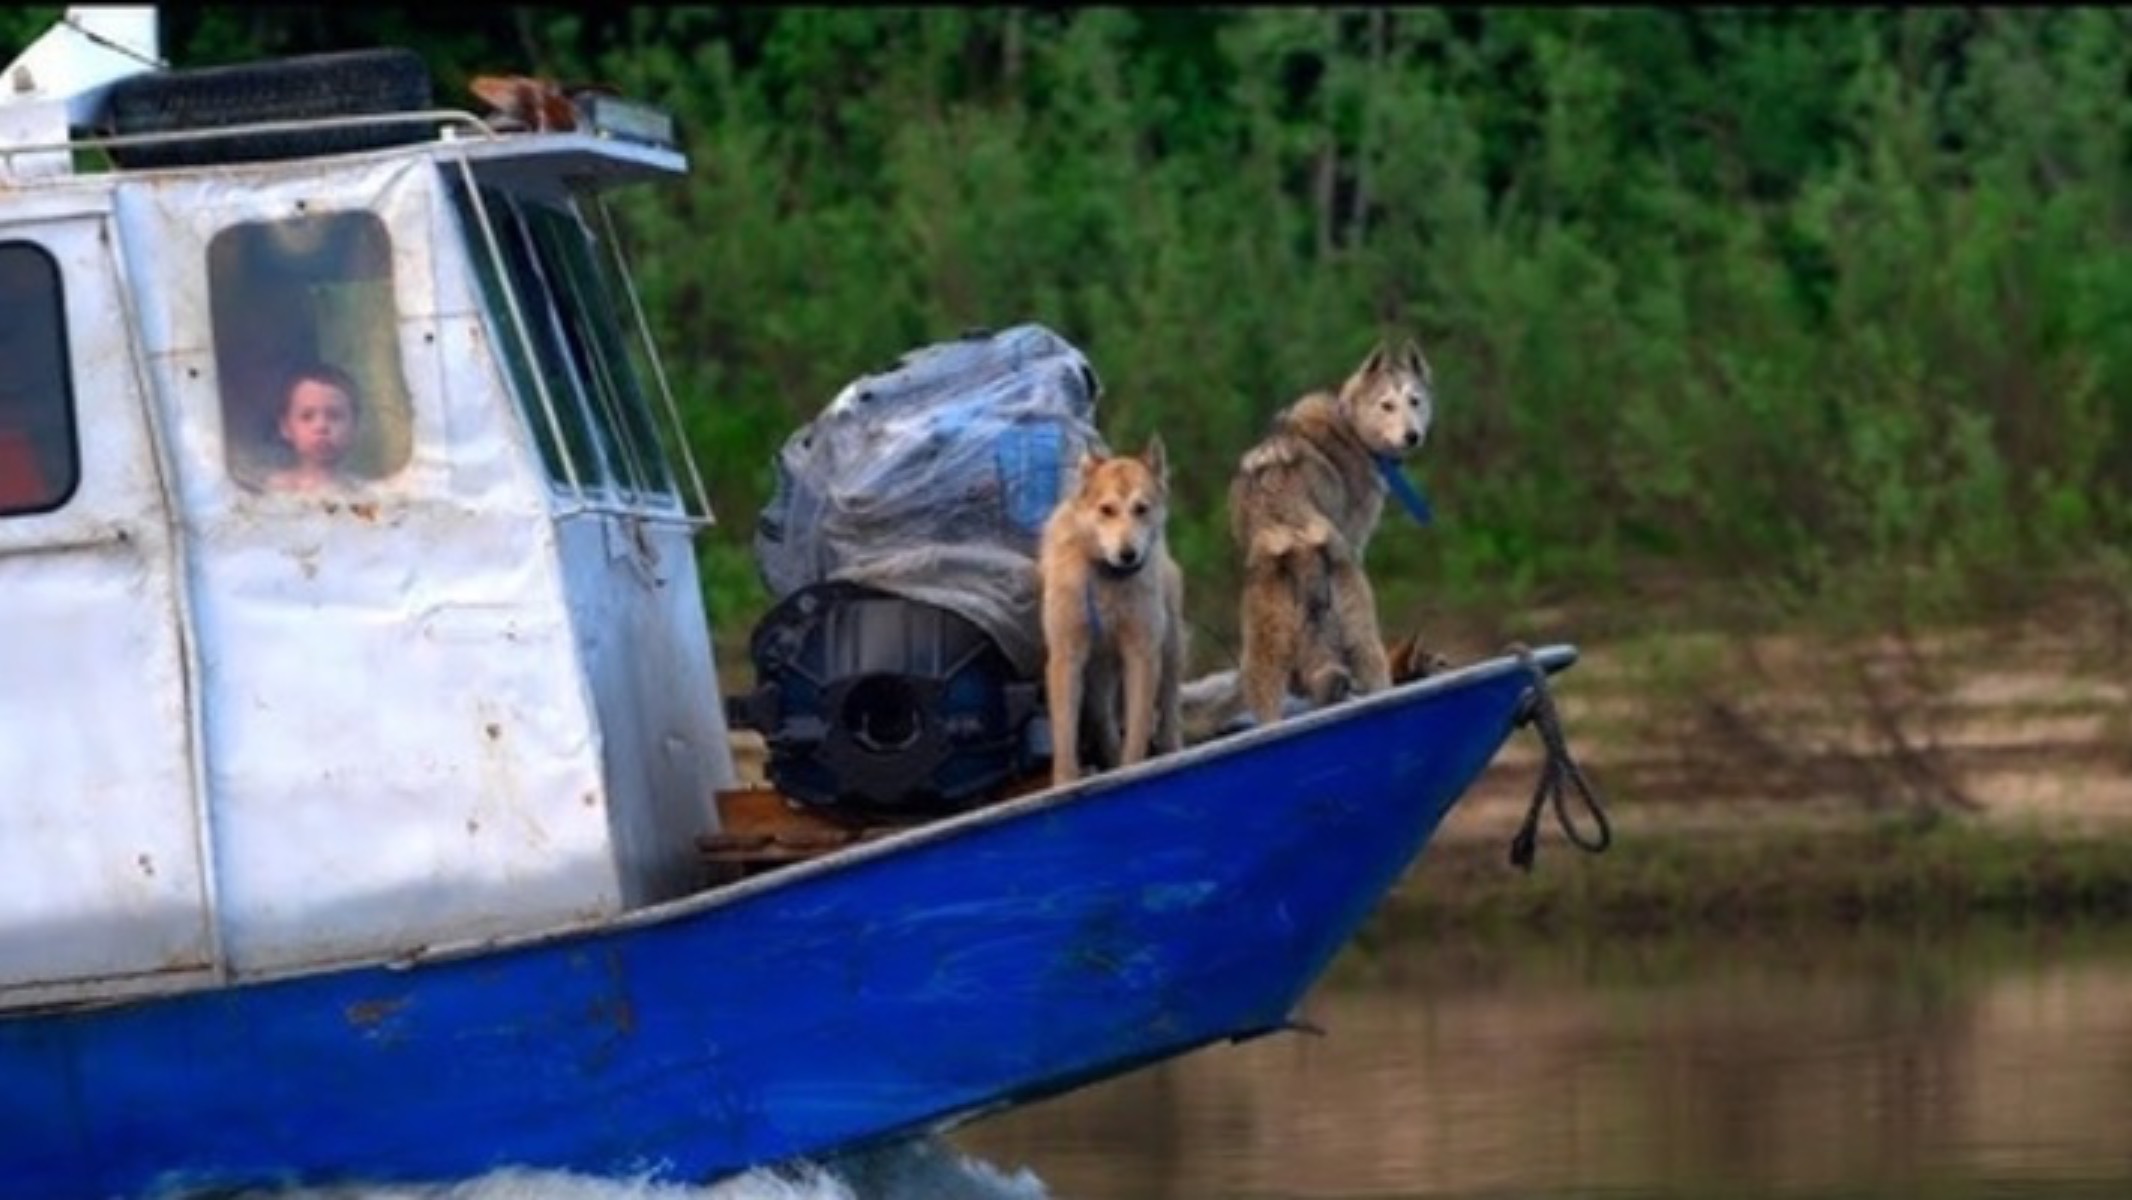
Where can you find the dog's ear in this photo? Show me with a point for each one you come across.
(1375, 362)
(1156, 458)
(1410, 355)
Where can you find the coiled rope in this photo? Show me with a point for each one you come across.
(1558, 773)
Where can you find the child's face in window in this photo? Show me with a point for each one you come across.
(319, 423)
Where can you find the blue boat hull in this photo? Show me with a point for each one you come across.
(984, 961)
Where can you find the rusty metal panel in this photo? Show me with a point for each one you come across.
(101, 871)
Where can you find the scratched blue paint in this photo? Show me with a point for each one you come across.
(987, 960)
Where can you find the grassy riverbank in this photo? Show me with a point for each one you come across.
(1883, 871)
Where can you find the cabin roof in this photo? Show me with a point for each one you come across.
(576, 157)
(96, 81)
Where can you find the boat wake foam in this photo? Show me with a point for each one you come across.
(923, 1169)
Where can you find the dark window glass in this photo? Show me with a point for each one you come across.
(529, 285)
(40, 460)
(590, 311)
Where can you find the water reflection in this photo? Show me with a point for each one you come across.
(1982, 1062)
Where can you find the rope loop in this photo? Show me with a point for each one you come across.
(1557, 773)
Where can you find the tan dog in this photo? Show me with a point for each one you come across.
(1113, 613)
(1301, 508)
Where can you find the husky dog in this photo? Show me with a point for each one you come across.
(1113, 613)
(1301, 508)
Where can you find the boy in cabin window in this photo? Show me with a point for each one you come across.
(319, 410)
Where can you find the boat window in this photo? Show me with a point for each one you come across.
(304, 308)
(531, 292)
(572, 314)
(589, 310)
(39, 459)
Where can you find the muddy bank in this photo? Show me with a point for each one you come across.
(2021, 724)
(1906, 775)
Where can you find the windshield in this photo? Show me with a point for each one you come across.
(595, 428)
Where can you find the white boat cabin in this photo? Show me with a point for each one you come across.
(257, 721)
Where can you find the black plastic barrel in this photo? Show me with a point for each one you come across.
(873, 701)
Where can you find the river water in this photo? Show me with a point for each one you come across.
(1985, 1062)
(1990, 1062)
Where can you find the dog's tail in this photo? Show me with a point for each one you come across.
(1310, 574)
(1302, 558)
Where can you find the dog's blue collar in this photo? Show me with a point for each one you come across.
(1409, 496)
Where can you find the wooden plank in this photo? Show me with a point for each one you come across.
(761, 827)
